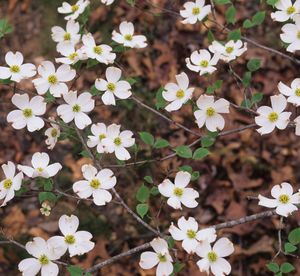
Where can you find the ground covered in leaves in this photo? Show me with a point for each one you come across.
(240, 165)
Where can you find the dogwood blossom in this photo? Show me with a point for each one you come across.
(70, 55)
(178, 193)
(291, 35)
(107, 2)
(11, 183)
(113, 86)
(52, 79)
(73, 10)
(208, 113)
(76, 108)
(188, 233)
(160, 257)
(127, 37)
(230, 51)
(45, 209)
(293, 92)
(202, 62)
(16, 70)
(286, 10)
(212, 258)
(52, 134)
(95, 184)
(271, 117)
(99, 132)
(297, 124)
(177, 94)
(44, 256)
(40, 166)
(117, 141)
(194, 11)
(102, 52)
(28, 112)
(68, 37)
(284, 200)
(76, 242)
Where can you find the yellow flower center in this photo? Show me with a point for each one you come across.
(273, 117)
(178, 192)
(212, 257)
(95, 183)
(297, 92)
(54, 132)
(195, 11)
(162, 258)
(74, 8)
(229, 50)
(76, 108)
(128, 37)
(298, 34)
(284, 199)
(40, 169)
(180, 94)
(102, 136)
(73, 56)
(117, 141)
(7, 183)
(204, 63)
(52, 79)
(210, 111)
(43, 259)
(191, 234)
(15, 68)
(98, 50)
(290, 10)
(69, 239)
(111, 86)
(67, 36)
(27, 112)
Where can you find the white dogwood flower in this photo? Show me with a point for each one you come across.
(73, 11)
(76, 108)
(177, 94)
(293, 92)
(44, 256)
(202, 62)
(70, 36)
(286, 10)
(127, 37)
(297, 125)
(11, 183)
(271, 117)
(16, 70)
(208, 113)
(188, 233)
(194, 11)
(28, 112)
(99, 132)
(96, 184)
(102, 52)
(212, 258)
(284, 200)
(107, 2)
(178, 193)
(52, 134)
(76, 242)
(160, 257)
(230, 51)
(113, 86)
(117, 141)
(70, 55)
(52, 79)
(40, 166)
(291, 35)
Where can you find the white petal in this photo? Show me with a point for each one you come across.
(51, 269)
(29, 267)
(182, 179)
(166, 188)
(148, 260)
(68, 224)
(223, 247)
(101, 197)
(267, 202)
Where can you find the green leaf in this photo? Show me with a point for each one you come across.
(195, 176)
(186, 168)
(212, 88)
(294, 236)
(75, 270)
(273, 267)
(43, 196)
(131, 81)
(147, 138)
(234, 35)
(247, 24)
(287, 268)
(253, 64)
(207, 142)
(259, 18)
(222, 2)
(288, 247)
(94, 91)
(230, 14)
(210, 36)
(48, 184)
(272, 2)
(5, 81)
(142, 209)
(247, 79)
(148, 179)
(143, 194)
(92, 63)
(257, 97)
(160, 101)
(184, 152)
(131, 2)
(200, 153)
(49, 98)
(161, 143)
(84, 153)
(5, 27)
(177, 267)
(246, 103)
(154, 191)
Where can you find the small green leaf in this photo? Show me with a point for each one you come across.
(75, 270)
(84, 153)
(147, 138)
(230, 14)
(294, 236)
(161, 143)
(195, 176)
(234, 35)
(246, 103)
(170, 242)
(160, 101)
(92, 63)
(247, 79)
(210, 36)
(287, 268)
(253, 64)
(273, 267)
(222, 2)
(186, 168)
(48, 184)
(148, 179)
(131, 2)
(5, 81)
(154, 191)
(94, 91)
(272, 2)
(5, 27)
(49, 98)
(200, 153)
(142, 209)
(143, 194)
(288, 247)
(207, 142)
(184, 152)
(43, 196)
(177, 267)
(131, 81)
(247, 24)
(259, 18)
(257, 97)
